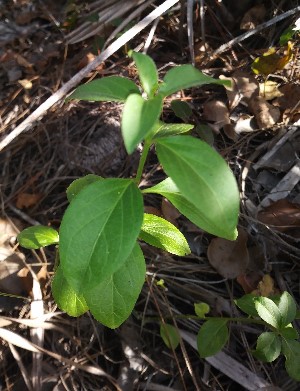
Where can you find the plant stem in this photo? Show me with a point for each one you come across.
(142, 161)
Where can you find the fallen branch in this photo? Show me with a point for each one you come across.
(76, 79)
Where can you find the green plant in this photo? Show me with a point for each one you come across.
(101, 265)
(275, 314)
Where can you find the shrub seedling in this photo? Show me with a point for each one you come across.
(101, 266)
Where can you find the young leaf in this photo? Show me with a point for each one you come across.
(268, 347)
(94, 237)
(113, 299)
(160, 233)
(138, 119)
(186, 76)
(169, 335)
(164, 130)
(65, 296)
(212, 337)
(111, 88)
(287, 308)
(80, 183)
(181, 109)
(247, 304)
(268, 311)
(205, 180)
(291, 350)
(37, 237)
(201, 309)
(147, 72)
(289, 332)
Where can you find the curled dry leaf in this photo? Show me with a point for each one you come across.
(253, 17)
(290, 96)
(281, 215)
(265, 114)
(217, 112)
(243, 87)
(269, 90)
(169, 211)
(266, 287)
(25, 200)
(229, 258)
(249, 281)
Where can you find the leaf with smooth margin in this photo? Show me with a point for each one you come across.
(287, 308)
(169, 190)
(291, 351)
(268, 311)
(247, 304)
(212, 337)
(289, 332)
(268, 347)
(112, 301)
(65, 296)
(111, 88)
(147, 72)
(162, 129)
(138, 118)
(94, 237)
(181, 109)
(169, 335)
(37, 237)
(201, 309)
(186, 76)
(204, 179)
(80, 183)
(160, 233)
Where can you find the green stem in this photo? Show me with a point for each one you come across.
(142, 162)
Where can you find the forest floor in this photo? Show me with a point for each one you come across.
(254, 126)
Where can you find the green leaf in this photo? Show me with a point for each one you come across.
(268, 347)
(168, 189)
(247, 304)
(204, 179)
(286, 36)
(181, 109)
(186, 76)
(77, 185)
(112, 301)
(291, 350)
(160, 233)
(287, 308)
(212, 337)
(65, 296)
(201, 309)
(205, 133)
(147, 72)
(289, 332)
(138, 119)
(268, 311)
(162, 129)
(37, 237)
(169, 335)
(94, 237)
(111, 88)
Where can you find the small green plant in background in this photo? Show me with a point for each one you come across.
(101, 265)
(275, 314)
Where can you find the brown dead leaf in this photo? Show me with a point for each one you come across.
(10, 264)
(266, 287)
(169, 211)
(217, 112)
(243, 87)
(282, 215)
(25, 83)
(25, 200)
(249, 281)
(266, 115)
(229, 258)
(253, 17)
(290, 97)
(152, 210)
